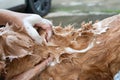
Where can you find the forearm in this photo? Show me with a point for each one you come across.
(7, 16)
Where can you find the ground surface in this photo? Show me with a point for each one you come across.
(76, 11)
(86, 6)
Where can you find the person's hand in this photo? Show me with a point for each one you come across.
(27, 22)
(33, 20)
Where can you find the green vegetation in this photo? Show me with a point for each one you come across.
(111, 11)
(83, 9)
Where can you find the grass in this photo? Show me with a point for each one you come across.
(111, 11)
(83, 9)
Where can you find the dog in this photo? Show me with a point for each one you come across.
(100, 61)
(88, 53)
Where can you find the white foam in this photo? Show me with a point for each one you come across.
(98, 42)
(117, 76)
(12, 57)
(71, 51)
(99, 28)
(53, 63)
(50, 78)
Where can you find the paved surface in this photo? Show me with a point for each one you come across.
(4, 4)
(86, 6)
(76, 11)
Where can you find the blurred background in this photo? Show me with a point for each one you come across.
(65, 12)
(86, 6)
(76, 11)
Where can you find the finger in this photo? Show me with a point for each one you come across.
(47, 28)
(49, 34)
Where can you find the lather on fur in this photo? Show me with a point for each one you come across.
(91, 52)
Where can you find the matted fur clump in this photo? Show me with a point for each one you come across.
(90, 52)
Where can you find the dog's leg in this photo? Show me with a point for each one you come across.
(28, 75)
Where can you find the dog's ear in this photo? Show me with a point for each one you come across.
(95, 74)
